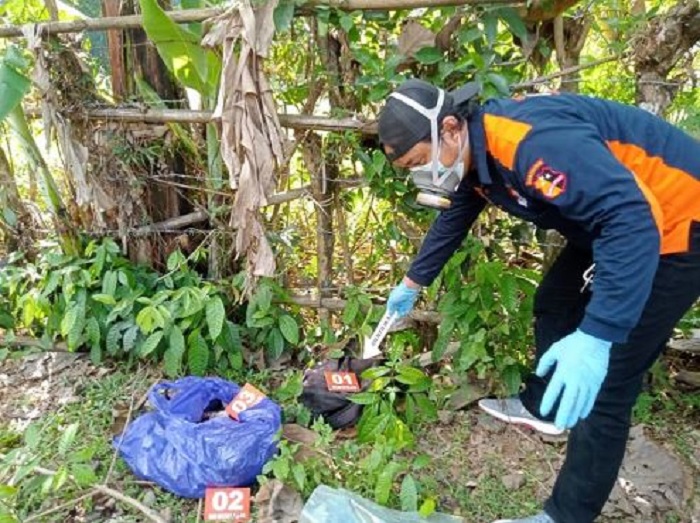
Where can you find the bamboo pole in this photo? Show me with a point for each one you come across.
(112, 22)
(199, 15)
(292, 121)
(187, 116)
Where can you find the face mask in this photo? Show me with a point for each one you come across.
(435, 181)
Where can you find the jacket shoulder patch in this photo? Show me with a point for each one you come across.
(548, 181)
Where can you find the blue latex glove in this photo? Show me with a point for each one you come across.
(582, 363)
(401, 299)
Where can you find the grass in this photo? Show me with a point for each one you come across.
(467, 465)
(89, 450)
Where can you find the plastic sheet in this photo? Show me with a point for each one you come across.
(183, 449)
(328, 505)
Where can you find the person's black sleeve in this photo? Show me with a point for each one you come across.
(446, 234)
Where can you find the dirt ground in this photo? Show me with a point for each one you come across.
(476, 457)
(481, 467)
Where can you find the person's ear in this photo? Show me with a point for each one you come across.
(450, 130)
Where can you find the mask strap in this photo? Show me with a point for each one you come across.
(432, 115)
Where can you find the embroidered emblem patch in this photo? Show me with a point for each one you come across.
(550, 182)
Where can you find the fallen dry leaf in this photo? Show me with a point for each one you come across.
(278, 503)
(413, 38)
(298, 434)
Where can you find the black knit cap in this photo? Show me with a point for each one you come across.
(401, 126)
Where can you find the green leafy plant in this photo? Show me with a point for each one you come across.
(267, 323)
(117, 309)
(398, 395)
(488, 309)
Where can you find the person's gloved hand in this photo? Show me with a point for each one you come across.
(401, 299)
(582, 363)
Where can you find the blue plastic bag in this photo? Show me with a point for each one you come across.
(176, 449)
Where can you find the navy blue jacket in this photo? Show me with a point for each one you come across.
(607, 176)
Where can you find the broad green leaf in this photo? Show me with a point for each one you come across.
(179, 49)
(13, 84)
(280, 467)
(172, 362)
(410, 375)
(69, 320)
(92, 331)
(500, 83)
(74, 337)
(373, 428)
(176, 257)
(513, 21)
(32, 435)
(283, 15)
(60, 479)
(511, 379)
(216, 314)
(235, 358)
(379, 383)
(107, 299)
(410, 409)
(352, 307)
(109, 283)
(468, 34)
(275, 343)
(263, 298)
(95, 353)
(429, 55)
(409, 494)
(150, 344)
(427, 508)
(7, 491)
(364, 398)
(509, 293)
(375, 372)
(426, 406)
(84, 474)
(20, 127)
(230, 336)
(289, 328)
(130, 337)
(197, 355)
(67, 438)
(490, 27)
(176, 341)
(299, 474)
(346, 22)
(172, 359)
(150, 319)
(421, 461)
(382, 489)
(7, 321)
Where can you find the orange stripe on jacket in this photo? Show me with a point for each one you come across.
(503, 136)
(674, 194)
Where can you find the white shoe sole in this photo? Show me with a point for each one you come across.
(541, 426)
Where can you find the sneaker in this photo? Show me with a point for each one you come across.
(542, 517)
(512, 410)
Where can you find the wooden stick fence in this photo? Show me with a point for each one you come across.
(304, 122)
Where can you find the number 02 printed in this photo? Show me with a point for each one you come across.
(227, 504)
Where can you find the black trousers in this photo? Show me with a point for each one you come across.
(597, 444)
